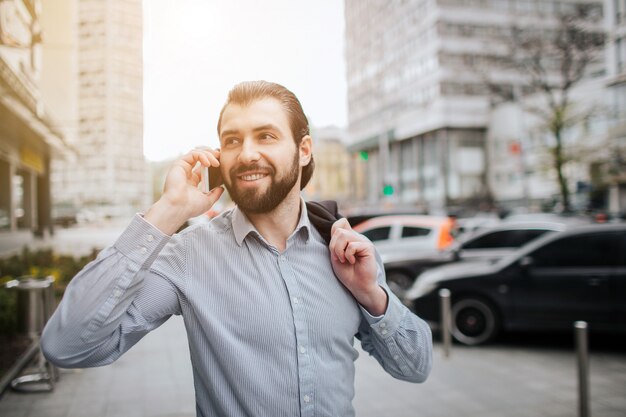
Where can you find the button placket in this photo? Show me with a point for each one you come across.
(305, 369)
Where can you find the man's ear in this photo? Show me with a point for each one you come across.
(306, 150)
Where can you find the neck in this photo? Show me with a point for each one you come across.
(277, 225)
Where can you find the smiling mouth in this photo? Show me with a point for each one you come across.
(252, 177)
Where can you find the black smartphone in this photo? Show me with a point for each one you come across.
(215, 177)
(211, 178)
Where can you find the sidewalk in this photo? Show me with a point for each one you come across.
(154, 380)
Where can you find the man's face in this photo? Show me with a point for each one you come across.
(259, 159)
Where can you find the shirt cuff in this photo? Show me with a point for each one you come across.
(141, 241)
(387, 323)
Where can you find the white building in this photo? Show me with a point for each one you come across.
(418, 104)
(110, 175)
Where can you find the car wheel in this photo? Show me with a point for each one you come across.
(474, 321)
(399, 283)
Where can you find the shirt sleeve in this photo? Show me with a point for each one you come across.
(399, 340)
(117, 299)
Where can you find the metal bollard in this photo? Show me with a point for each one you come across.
(444, 295)
(37, 296)
(582, 351)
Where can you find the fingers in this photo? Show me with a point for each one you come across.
(196, 174)
(206, 156)
(353, 250)
(345, 243)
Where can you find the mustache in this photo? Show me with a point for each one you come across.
(242, 169)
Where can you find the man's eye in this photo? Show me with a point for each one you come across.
(267, 136)
(231, 141)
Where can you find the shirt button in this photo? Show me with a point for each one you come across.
(117, 292)
(295, 300)
(149, 238)
(143, 250)
(307, 399)
(302, 349)
(395, 357)
(383, 324)
(384, 332)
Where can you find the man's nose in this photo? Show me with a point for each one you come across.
(249, 152)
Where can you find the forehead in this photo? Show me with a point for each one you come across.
(266, 111)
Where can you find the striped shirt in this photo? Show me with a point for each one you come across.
(270, 333)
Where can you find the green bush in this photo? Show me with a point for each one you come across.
(39, 264)
(8, 311)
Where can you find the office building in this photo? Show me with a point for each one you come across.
(419, 98)
(110, 175)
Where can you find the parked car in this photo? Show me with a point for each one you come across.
(548, 284)
(489, 244)
(407, 237)
(471, 224)
(492, 243)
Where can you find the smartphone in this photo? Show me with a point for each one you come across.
(211, 178)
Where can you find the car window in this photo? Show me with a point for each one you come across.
(379, 233)
(504, 239)
(412, 231)
(589, 250)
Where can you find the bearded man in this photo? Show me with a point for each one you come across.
(270, 308)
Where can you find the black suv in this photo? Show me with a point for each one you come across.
(577, 274)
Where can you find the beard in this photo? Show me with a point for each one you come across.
(256, 201)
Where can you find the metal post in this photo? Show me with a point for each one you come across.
(38, 299)
(583, 368)
(444, 295)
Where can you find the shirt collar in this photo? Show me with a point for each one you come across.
(242, 226)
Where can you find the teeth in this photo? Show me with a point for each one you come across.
(253, 177)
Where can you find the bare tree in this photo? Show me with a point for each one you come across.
(552, 60)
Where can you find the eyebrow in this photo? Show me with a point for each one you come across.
(256, 129)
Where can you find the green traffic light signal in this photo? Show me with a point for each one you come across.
(364, 155)
(388, 190)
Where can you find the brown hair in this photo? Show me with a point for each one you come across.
(248, 91)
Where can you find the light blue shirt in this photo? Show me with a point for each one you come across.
(270, 333)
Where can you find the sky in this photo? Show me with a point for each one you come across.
(196, 50)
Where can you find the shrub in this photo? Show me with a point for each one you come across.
(39, 264)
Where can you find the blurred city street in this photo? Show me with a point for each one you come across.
(512, 379)
(516, 376)
(480, 145)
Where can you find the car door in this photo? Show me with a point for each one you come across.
(568, 279)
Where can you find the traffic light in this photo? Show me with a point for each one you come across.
(364, 155)
(388, 190)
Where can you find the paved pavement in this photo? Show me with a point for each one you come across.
(154, 380)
